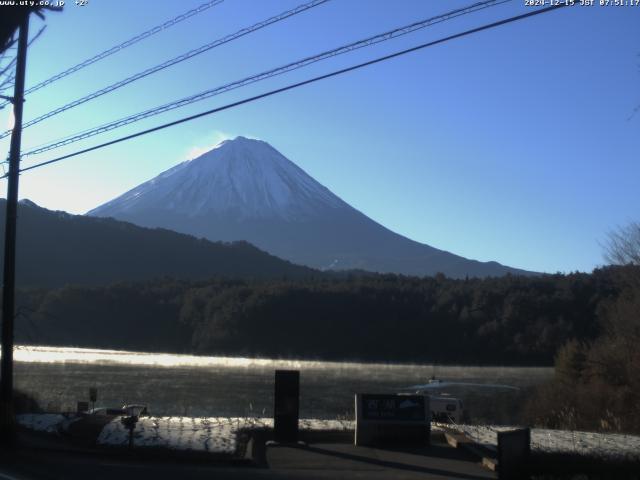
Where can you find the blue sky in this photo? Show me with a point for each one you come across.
(514, 144)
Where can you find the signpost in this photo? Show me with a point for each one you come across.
(130, 424)
(392, 419)
(93, 397)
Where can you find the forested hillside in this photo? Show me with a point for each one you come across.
(55, 248)
(507, 320)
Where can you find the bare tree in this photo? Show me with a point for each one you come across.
(623, 245)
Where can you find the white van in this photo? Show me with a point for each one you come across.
(446, 409)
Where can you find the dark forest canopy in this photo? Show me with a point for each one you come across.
(507, 320)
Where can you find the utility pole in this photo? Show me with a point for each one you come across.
(7, 417)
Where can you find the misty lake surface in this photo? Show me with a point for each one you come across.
(185, 385)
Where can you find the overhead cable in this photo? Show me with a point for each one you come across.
(300, 84)
(397, 32)
(123, 45)
(173, 61)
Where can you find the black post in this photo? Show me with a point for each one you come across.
(7, 419)
(286, 406)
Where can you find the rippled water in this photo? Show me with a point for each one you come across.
(228, 386)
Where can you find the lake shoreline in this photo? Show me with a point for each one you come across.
(183, 385)
(192, 359)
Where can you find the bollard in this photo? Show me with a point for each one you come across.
(514, 450)
(286, 408)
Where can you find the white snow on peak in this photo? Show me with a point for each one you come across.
(248, 178)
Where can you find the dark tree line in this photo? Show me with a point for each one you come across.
(505, 320)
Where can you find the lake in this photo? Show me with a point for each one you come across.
(186, 385)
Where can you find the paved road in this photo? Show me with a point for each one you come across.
(315, 461)
(336, 461)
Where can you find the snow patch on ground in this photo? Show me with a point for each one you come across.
(177, 433)
(42, 422)
(607, 445)
(219, 434)
(212, 434)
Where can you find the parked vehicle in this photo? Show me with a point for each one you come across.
(446, 409)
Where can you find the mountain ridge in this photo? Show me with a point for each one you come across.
(55, 248)
(245, 189)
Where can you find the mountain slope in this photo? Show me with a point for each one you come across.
(246, 190)
(56, 248)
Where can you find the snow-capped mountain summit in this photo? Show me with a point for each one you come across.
(248, 178)
(244, 189)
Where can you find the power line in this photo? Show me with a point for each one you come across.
(300, 84)
(397, 32)
(123, 45)
(173, 61)
(6, 68)
(8, 82)
(35, 37)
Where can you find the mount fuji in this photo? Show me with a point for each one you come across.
(245, 189)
